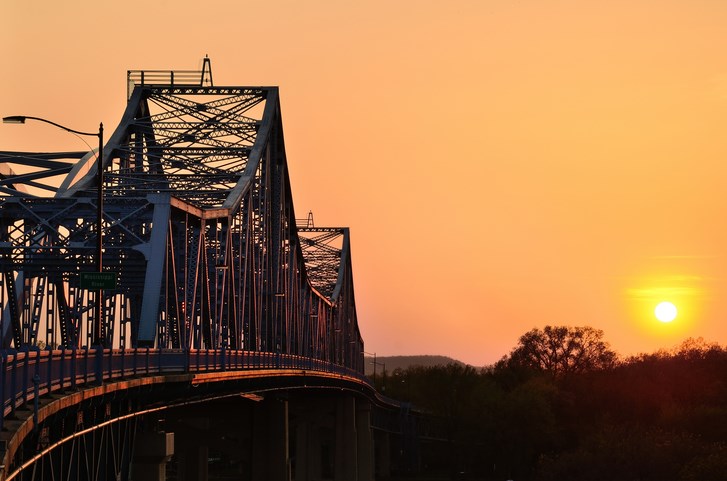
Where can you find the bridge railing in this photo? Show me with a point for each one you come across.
(26, 375)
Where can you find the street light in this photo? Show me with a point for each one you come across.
(376, 363)
(373, 362)
(98, 335)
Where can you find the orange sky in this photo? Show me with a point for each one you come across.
(502, 164)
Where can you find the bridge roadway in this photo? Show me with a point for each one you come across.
(123, 414)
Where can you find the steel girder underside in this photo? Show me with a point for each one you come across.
(198, 225)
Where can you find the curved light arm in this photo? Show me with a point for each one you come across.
(99, 337)
(20, 119)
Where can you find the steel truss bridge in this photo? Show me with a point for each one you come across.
(217, 293)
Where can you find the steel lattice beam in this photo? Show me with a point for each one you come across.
(199, 227)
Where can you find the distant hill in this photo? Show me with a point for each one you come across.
(403, 362)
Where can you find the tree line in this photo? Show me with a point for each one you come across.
(563, 406)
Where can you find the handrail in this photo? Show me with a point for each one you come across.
(28, 374)
(165, 77)
(172, 78)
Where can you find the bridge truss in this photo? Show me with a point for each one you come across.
(198, 228)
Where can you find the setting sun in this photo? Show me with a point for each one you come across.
(665, 312)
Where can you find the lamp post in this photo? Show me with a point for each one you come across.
(98, 335)
(377, 363)
(374, 363)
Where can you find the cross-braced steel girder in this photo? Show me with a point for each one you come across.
(198, 226)
(92, 445)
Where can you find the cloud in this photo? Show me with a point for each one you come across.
(671, 292)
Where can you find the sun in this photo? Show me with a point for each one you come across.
(665, 312)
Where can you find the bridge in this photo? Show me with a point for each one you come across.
(165, 316)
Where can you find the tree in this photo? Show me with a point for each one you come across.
(561, 350)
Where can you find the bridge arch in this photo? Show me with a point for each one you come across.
(218, 290)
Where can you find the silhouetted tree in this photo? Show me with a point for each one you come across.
(455, 395)
(561, 406)
(561, 350)
(647, 454)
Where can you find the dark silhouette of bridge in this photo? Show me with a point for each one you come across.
(169, 306)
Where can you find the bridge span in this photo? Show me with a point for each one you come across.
(163, 312)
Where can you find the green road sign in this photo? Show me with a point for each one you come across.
(98, 280)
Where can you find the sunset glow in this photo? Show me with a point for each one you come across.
(503, 165)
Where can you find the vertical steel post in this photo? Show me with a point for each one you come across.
(99, 338)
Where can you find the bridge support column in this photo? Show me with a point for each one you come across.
(193, 462)
(313, 424)
(382, 455)
(346, 440)
(307, 451)
(193, 449)
(270, 441)
(364, 441)
(152, 451)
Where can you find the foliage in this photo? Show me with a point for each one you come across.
(574, 411)
(561, 350)
(621, 453)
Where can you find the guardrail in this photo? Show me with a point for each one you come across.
(168, 77)
(172, 78)
(26, 375)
